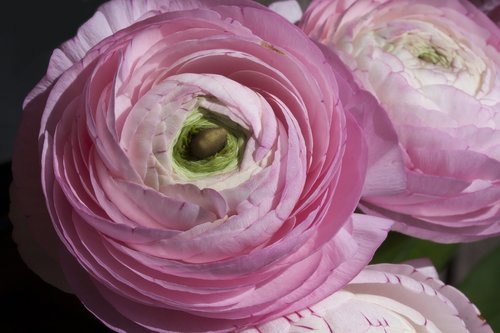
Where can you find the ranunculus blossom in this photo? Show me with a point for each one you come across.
(193, 166)
(387, 298)
(435, 68)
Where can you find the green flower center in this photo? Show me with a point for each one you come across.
(423, 48)
(208, 144)
(431, 55)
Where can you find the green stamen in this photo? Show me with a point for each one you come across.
(208, 143)
(433, 56)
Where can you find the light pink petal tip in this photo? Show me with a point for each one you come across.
(289, 9)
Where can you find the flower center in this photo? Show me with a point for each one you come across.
(433, 56)
(421, 47)
(208, 144)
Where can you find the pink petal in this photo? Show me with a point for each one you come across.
(386, 172)
(36, 239)
(289, 9)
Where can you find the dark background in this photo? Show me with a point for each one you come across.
(29, 31)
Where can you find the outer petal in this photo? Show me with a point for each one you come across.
(289, 9)
(110, 18)
(119, 313)
(386, 172)
(36, 239)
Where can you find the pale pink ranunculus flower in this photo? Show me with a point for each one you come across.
(435, 68)
(387, 298)
(190, 166)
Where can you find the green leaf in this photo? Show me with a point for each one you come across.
(482, 287)
(398, 248)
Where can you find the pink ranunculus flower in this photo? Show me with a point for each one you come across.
(435, 69)
(192, 166)
(387, 298)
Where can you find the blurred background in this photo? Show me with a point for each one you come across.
(29, 31)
